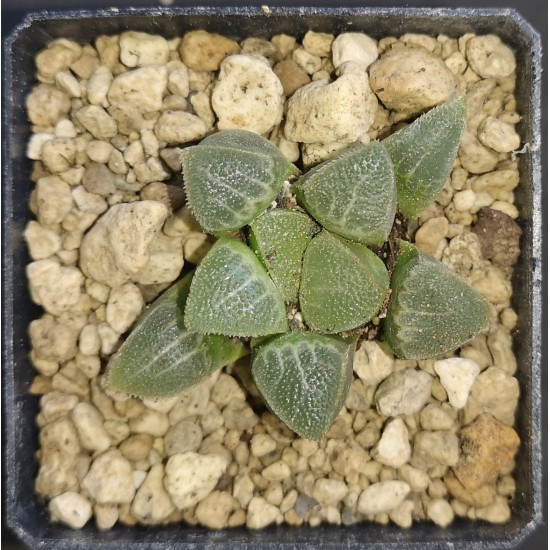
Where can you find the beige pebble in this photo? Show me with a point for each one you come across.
(71, 508)
(190, 477)
(277, 471)
(214, 510)
(110, 479)
(89, 425)
(262, 444)
(260, 513)
(152, 503)
(440, 512)
(383, 496)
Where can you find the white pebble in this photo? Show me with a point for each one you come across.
(457, 375)
(381, 497)
(394, 448)
(71, 508)
(356, 47)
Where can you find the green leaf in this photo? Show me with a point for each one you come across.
(305, 379)
(232, 294)
(279, 239)
(160, 358)
(231, 177)
(431, 310)
(343, 284)
(423, 154)
(353, 194)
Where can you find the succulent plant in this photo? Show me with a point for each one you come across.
(304, 268)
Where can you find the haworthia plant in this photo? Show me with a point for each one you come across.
(431, 311)
(280, 238)
(160, 358)
(298, 285)
(232, 294)
(232, 177)
(352, 195)
(304, 378)
(343, 284)
(423, 154)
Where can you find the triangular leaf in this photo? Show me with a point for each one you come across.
(304, 378)
(353, 194)
(231, 177)
(160, 358)
(232, 294)
(279, 239)
(431, 310)
(343, 284)
(423, 154)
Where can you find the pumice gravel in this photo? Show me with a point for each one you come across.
(415, 440)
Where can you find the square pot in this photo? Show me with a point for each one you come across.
(24, 513)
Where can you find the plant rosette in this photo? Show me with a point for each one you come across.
(304, 267)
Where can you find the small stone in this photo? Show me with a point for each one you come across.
(394, 448)
(176, 127)
(329, 492)
(308, 62)
(262, 444)
(106, 515)
(98, 86)
(214, 510)
(435, 418)
(190, 477)
(489, 57)
(137, 447)
(54, 287)
(98, 179)
(434, 449)
(243, 489)
(318, 43)
(381, 497)
(483, 496)
(475, 157)
(430, 234)
(499, 236)
(124, 306)
(109, 479)
(247, 95)
(403, 392)
(182, 437)
(141, 89)
(495, 392)
(259, 47)
(401, 515)
(89, 425)
(410, 79)
(291, 75)
(138, 49)
(440, 512)
(54, 200)
(97, 121)
(150, 422)
(71, 508)
(260, 513)
(356, 47)
(500, 136)
(345, 110)
(417, 479)
(372, 362)
(487, 450)
(152, 503)
(238, 415)
(46, 104)
(278, 471)
(498, 512)
(42, 242)
(457, 375)
(204, 51)
(118, 245)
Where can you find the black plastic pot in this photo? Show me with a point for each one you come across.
(25, 514)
